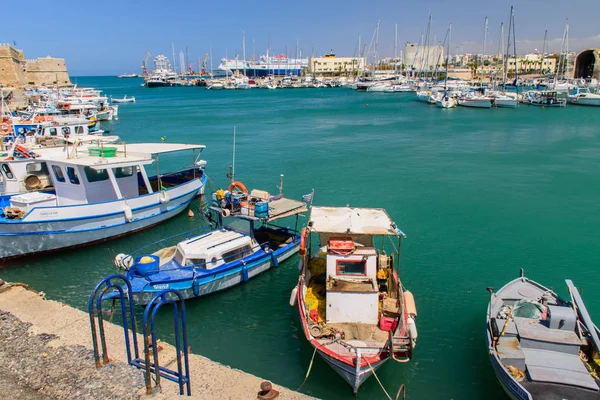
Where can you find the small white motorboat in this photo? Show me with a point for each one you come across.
(125, 99)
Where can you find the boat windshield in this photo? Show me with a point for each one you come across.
(178, 257)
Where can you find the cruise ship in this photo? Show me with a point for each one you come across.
(266, 65)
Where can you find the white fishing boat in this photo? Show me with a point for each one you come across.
(98, 194)
(125, 99)
(583, 97)
(353, 308)
(541, 346)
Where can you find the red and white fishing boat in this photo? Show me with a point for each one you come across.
(353, 308)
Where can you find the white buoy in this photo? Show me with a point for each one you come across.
(163, 197)
(226, 212)
(293, 296)
(128, 213)
(412, 330)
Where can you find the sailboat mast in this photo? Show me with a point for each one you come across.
(244, 51)
(448, 57)
(485, 31)
(512, 16)
(396, 49)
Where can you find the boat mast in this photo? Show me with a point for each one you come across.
(500, 53)
(485, 31)
(396, 49)
(512, 16)
(447, 59)
(244, 51)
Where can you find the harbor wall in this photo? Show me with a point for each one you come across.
(18, 72)
(67, 326)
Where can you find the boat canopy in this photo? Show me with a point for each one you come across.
(156, 148)
(352, 221)
(285, 207)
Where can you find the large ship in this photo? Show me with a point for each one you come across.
(162, 74)
(266, 65)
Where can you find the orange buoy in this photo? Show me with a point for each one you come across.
(190, 213)
(238, 185)
(303, 240)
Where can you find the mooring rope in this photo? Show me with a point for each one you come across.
(376, 377)
(309, 368)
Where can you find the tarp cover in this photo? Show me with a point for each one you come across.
(352, 221)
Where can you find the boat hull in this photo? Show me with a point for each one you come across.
(475, 103)
(582, 101)
(71, 226)
(223, 280)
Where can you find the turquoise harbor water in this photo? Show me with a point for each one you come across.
(480, 194)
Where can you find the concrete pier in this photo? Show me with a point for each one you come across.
(210, 380)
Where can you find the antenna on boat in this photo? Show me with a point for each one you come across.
(281, 184)
(231, 174)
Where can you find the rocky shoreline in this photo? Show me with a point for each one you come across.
(32, 368)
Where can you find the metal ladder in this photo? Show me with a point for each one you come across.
(400, 344)
(112, 287)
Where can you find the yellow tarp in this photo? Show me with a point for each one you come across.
(314, 301)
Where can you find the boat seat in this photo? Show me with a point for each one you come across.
(534, 334)
(510, 352)
(556, 367)
(511, 328)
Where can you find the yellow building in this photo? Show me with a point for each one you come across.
(17, 72)
(332, 65)
(532, 64)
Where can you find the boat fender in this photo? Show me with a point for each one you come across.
(226, 212)
(412, 330)
(409, 303)
(123, 261)
(274, 259)
(293, 296)
(4, 128)
(163, 197)
(303, 240)
(196, 287)
(128, 213)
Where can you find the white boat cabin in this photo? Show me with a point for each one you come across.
(214, 249)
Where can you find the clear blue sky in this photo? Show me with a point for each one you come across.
(112, 37)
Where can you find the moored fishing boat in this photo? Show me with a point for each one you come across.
(97, 194)
(541, 346)
(206, 261)
(583, 97)
(353, 308)
(546, 98)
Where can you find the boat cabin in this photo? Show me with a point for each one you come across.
(214, 249)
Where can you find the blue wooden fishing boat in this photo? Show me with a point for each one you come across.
(541, 346)
(243, 244)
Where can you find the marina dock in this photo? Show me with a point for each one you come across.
(70, 327)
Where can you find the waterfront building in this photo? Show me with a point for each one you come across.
(587, 64)
(532, 64)
(332, 65)
(423, 57)
(17, 72)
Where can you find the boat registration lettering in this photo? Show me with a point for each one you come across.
(48, 213)
(162, 286)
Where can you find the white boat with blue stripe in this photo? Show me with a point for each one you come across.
(90, 195)
(209, 260)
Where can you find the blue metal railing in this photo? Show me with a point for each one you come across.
(95, 311)
(107, 288)
(182, 376)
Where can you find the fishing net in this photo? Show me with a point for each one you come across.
(527, 309)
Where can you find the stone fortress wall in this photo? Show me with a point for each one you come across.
(18, 72)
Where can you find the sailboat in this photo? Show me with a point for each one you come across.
(447, 101)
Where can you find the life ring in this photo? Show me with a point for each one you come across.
(4, 128)
(238, 185)
(303, 240)
(67, 106)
